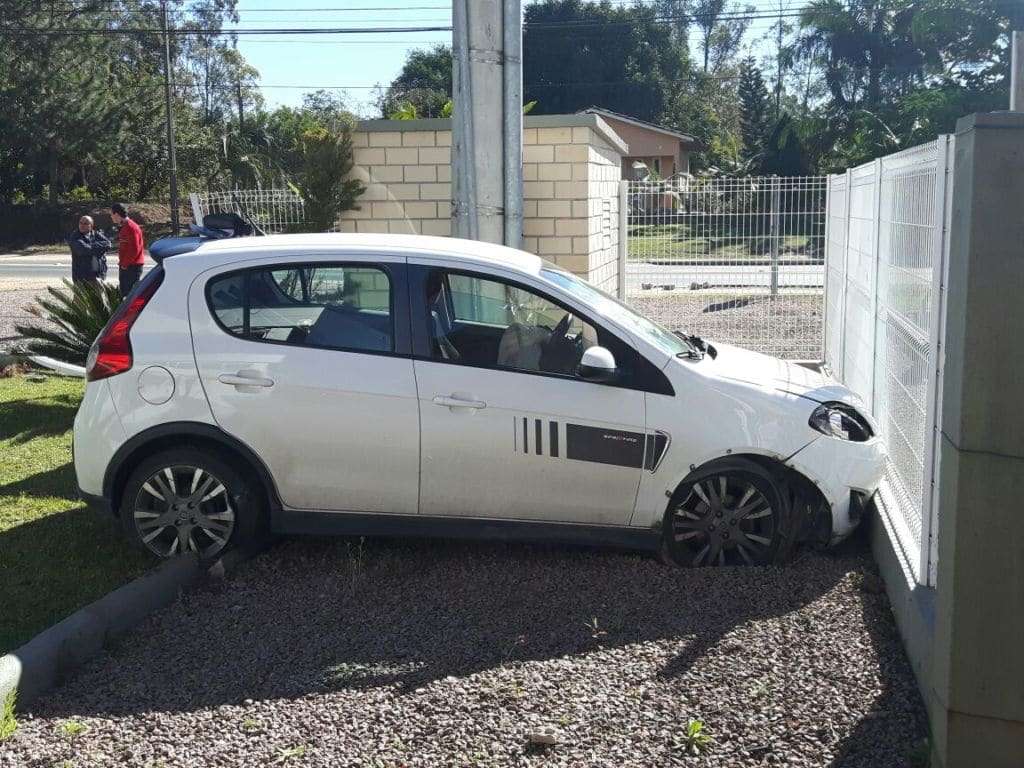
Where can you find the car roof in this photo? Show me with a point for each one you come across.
(450, 248)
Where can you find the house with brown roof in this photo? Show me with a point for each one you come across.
(659, 150)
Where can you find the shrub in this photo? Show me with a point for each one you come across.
(322, 181)
(73, 317)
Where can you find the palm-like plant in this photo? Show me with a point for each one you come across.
(72, 317)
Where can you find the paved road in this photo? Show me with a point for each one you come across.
(46, 267)
(683, 276)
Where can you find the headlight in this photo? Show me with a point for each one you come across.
(842, 421)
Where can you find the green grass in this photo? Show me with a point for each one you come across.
(678, 244)
(55, 555)
(72, 729)
(8, 720)
(696, 739)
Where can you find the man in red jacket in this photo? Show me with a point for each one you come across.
(130, 255)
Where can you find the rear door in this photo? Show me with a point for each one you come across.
(306, 360)
(508, 430)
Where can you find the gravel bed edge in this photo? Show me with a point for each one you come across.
(49, 658)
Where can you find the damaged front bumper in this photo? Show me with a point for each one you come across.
(847, 474)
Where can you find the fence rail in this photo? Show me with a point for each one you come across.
(886, 268)
(740, 259)
(275, 211)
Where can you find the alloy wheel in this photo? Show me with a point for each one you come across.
(726, 519)
(183, 509)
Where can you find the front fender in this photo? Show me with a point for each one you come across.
(713, 422)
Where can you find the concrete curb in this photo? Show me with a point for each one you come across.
(50, 657)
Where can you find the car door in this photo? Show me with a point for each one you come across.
(507, 428)
(307, 361)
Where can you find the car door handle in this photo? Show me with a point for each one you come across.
(242, 380)
(458, 402)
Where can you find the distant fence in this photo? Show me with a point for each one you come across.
(275, 211)
(886, 257)
(739, 259)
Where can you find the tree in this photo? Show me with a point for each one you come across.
(720, 37)
(785, 154)
(897, 73)
(425, 83)
(87, 109)
(580, 54)
(755, 122)
(323, 181)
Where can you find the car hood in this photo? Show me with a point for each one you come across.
(737, 364)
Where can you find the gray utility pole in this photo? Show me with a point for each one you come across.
(1017, 73)
(175, 224)
(487, 120)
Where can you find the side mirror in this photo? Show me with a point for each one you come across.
(597, 364)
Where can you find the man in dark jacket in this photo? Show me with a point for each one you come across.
(88, 253)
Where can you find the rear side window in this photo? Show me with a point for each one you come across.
(331, 306)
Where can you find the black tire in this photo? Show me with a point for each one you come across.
(729, 512)
(204, 515)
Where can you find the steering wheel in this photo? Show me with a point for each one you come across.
(561, 330)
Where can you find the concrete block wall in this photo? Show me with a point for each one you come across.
(570, 187)
(408, 180)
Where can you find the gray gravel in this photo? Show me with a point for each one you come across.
(788, 326)
(15, 298)
(322, 653)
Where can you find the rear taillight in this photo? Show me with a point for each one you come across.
(111, 353)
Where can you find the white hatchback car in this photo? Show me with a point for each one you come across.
(394, 384)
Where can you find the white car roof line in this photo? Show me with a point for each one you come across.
(471, 251)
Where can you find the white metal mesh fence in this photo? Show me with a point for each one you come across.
(275, 211)
(886, 266)
(736, 259)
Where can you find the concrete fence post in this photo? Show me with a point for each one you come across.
(963, 637)
(980, 579)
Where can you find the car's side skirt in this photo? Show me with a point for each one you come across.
(361, 524)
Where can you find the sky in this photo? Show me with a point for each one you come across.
(359, 62)
(290, 66)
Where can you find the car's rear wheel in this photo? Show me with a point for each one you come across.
(189, 500)
(735, 513)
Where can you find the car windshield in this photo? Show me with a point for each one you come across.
(607, 305)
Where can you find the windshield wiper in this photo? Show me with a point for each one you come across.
(698, 347)
(703, 346)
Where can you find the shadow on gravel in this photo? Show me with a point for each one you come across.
(898, 709)
(316, 616)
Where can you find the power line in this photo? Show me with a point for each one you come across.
(180, 32)
(68, 32)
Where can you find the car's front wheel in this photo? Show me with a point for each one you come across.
(189, 500)
(734, 513)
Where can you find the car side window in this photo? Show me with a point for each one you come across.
(492, 323)
(312, 305)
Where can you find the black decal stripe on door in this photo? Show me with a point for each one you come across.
(604, 446)
(596, 444)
